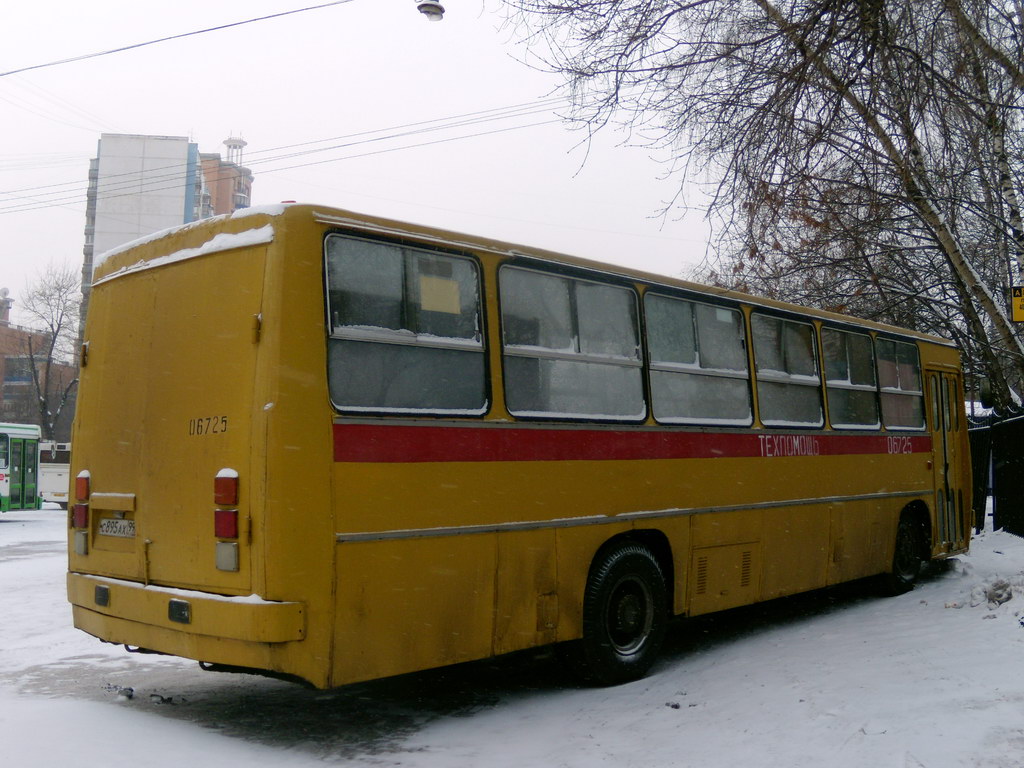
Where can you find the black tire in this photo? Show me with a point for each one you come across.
(908, 557)
(624, 617)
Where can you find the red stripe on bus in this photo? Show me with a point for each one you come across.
(394, 443)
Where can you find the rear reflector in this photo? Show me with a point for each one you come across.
(225, 488)
(225, 523)
(80, 516)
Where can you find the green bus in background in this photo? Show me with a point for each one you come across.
(19, 467)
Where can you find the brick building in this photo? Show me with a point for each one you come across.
(227, 184)
(18, 397)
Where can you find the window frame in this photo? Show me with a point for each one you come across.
(850, 386)
(536, 352)
(696, 368)
(408, 338)
(772, 376)
(17, 371)
(899, 391)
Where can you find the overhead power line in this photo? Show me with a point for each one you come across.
(35, 198)
(175, 183)
(49, 106)
(260, 156)
(171, 37)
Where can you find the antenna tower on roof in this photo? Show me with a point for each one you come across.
(235, 145)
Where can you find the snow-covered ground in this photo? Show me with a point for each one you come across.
(838, 679)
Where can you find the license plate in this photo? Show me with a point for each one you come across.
(112, 526)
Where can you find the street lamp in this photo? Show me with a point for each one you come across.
(432, 9)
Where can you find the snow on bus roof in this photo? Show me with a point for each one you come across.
(268, 210)
(225, 241)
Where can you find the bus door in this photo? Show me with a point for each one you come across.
(17, 472)
(945, 425)
(30, 474)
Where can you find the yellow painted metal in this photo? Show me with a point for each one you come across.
(525, 591)
(412, 604)
(206, 648)
(233, 618)
(118, 502)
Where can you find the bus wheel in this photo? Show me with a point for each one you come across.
(624, 616)
(907, 559)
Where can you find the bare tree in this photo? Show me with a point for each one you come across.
(51, 304)
(865, 152)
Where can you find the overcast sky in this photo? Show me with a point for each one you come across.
(341, 75)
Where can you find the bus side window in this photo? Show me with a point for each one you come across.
(788, 385)
(899, 378)
(366, 285)
(698, 363)
(405, 329)
(571, 347)
(5, 451)
(850, 379)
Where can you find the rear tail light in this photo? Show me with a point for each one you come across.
(80, 512)
(225, 523)
(225, 488)
(82, 486)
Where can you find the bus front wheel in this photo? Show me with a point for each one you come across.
(624, 616)
(908, 556)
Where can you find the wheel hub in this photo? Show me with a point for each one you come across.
(630, 616)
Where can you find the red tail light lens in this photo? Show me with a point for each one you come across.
(80, 516)
(225, 488)
(225, 523)
(82, 486)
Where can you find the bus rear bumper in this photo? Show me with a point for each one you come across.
(113, 609)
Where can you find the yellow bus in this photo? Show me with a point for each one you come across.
(333, 447)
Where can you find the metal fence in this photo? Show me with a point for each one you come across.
(997, 458)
